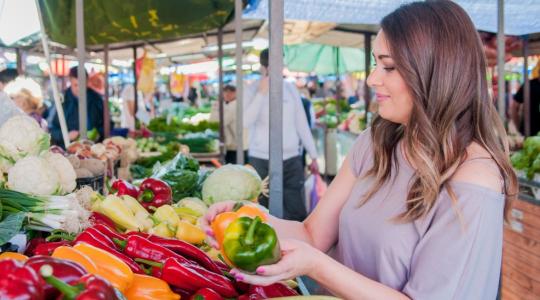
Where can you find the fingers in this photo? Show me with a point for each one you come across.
(256, 279)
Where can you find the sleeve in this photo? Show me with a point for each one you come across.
(459, 255)
(519, 95)
(214, 112)
(302, 126)
(252, 104)
(360, 152)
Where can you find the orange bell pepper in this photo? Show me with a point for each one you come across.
(13, 255)
(148, 287)
(68, 253)
(109, 266)
(223, 220)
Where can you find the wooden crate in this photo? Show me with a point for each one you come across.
(521, 253)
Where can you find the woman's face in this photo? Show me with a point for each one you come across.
(393, 97)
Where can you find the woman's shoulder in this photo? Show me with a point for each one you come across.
(360, 152)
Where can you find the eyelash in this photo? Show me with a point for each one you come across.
(387, 69)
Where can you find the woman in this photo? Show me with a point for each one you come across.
(27, 95)
(416, 210)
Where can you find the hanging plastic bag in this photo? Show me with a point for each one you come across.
(145, 82)
(315, 189)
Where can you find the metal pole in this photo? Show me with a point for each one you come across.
(367, 63)
(81, 53)
(52, 77)
(526, 88)
(500, 60)
(20, 61)
(220, 97)
(106, 113)
(276, 107)
(136, 96)
(238, 8)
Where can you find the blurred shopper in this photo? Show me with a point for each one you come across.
(27, 95)
(516, 106)
(296, 133)
(8, 107)
(94, 108)
(229, 116)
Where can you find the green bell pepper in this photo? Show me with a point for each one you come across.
(248, 243)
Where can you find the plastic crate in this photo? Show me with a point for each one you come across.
(97, 183)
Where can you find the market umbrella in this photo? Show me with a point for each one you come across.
(17, 31)
(323, 59)
(110, 22)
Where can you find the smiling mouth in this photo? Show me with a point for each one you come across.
(381, 97)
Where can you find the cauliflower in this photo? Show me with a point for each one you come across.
(34, 175)
(21, 136)
(66, 174)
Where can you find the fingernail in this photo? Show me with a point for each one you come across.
(260, 270)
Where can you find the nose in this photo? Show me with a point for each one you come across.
(374, 78)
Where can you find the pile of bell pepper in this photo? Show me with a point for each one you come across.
(152, 193)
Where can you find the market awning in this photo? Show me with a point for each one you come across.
(112, 22)
(323, 59)
(521, 16)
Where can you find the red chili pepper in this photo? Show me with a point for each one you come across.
(48, 247)
(97, 239)
(19, 281)
(206, 294)
(191, 277)
(88, 287)
(97, 218)
(65, 270)
(154, 193)
(275, 290)
(185, 249)
(109, 232)
(121, 187)
(139, 247)
(32, 244)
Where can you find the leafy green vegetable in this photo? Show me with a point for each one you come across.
(201, 142)
(10, 226)
(182, 174)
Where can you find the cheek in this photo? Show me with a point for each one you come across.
(401, 101)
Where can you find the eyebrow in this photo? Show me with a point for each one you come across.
(381, 56)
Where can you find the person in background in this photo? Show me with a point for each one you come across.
(417, 209)
(229, 116)
(516, 106)
(94, 105)
(128, 107)
(296, 133)
(8, 107)
(27, 95)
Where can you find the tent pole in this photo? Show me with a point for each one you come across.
(367, 67)
(20, 61)
(220, 97)
(276, 17)
(136, 96)
(526, 88)
(239, 83)
(52, 77)
(106, 113)
(501, 103)
(81, 76)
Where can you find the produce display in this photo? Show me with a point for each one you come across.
(135, 240)
(527, 159)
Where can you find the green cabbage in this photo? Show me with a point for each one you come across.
(232, 182)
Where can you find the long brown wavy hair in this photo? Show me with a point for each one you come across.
(437, 50)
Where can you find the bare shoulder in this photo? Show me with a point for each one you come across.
(479, 169)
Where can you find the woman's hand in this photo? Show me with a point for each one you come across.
(210, 215)
(298, 258)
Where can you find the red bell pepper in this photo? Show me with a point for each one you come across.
(154, 193)
(98, 240)
(65, 270)
(185, 249)
(47, 248)
(19, 281)
(88, 287)
(121, 187)
(97, 218)
(275, 290)
(206, 294)
(191, 277)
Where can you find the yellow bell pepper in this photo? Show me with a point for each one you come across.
(108, 266)
(166, 213)
(189, 233)
(148, 288)
(117, 210)
(13, 255)
(68, 253)
(187, 214)
(163, 229)
(140, 213)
